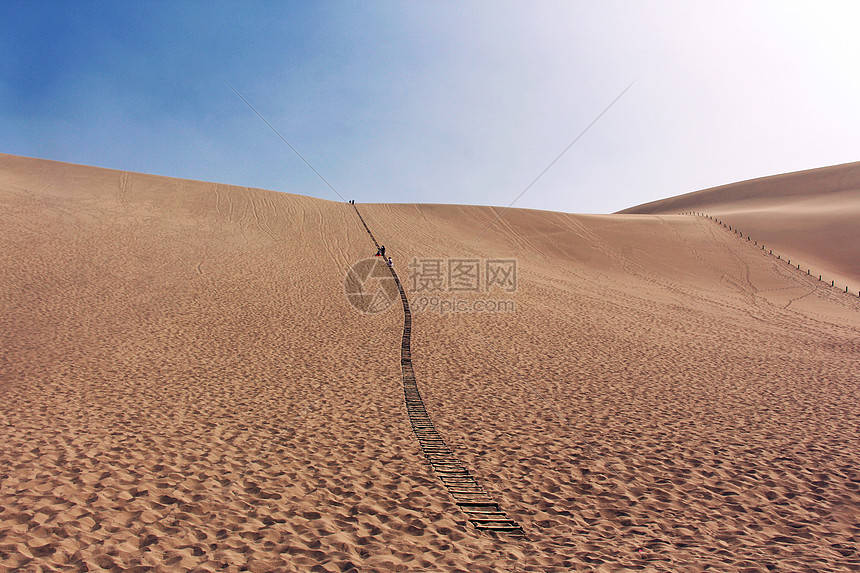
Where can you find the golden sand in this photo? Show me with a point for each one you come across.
(810, 217)
(185, 386)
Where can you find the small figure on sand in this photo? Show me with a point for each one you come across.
(380, 251)
(390, 262)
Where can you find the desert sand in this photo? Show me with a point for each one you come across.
(808, 216)
(185, 386)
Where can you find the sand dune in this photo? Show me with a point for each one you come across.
(809, 216)
(185, 386)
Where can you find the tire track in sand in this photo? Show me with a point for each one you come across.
(472, 499)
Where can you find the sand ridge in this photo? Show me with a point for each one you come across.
(778, 256)
(185, 386)
(808, 216)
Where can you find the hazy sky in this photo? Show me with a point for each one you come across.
(453, 102)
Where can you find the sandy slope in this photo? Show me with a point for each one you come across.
(183, 385)
(809, 216)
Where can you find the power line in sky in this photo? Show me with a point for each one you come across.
(517, 198)
(285, 141)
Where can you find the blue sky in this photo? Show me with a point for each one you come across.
(451, 102)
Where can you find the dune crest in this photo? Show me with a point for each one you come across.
(185, 385)
(809, 216)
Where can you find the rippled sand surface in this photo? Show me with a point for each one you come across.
(185, 386)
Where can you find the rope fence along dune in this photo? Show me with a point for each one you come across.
(472, 499)
(763, 248)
